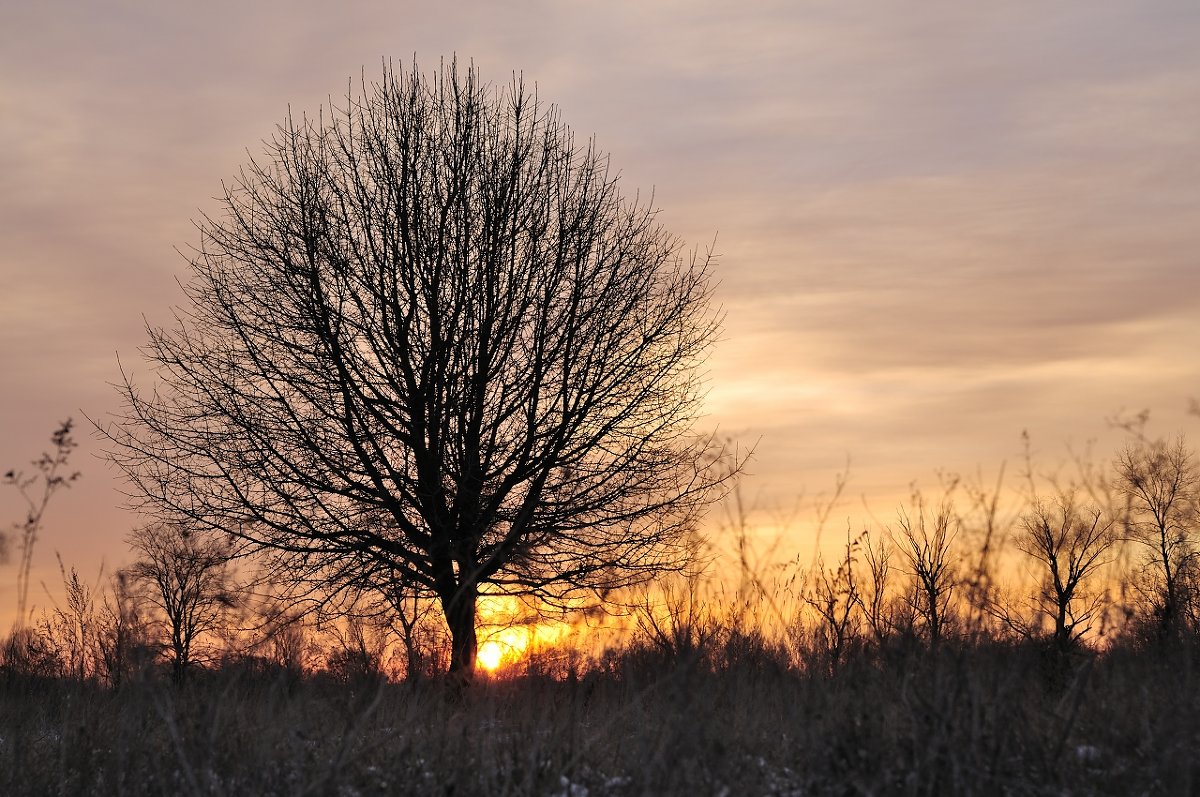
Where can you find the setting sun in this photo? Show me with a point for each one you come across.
(504, 646)
(490, 655)
(510, 633)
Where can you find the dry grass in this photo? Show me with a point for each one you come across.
(734, 719)
(862, 685)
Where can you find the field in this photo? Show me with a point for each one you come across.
(734, 718)
(907, 665)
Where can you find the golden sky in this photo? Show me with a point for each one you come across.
(940, 223)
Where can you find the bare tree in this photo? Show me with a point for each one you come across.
(1161, 485)
(878, 605)
(421, 636)
(836, 597)
(1069, 544)
(926, 545)
(185, 573)
(430, 344)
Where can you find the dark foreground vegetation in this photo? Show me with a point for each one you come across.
(1046, 643)
(736, 717)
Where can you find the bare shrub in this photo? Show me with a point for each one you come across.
(925, 543)
(184, 573)
(284, 641)
(676, 620)
(1161, 485)
(836, 598)
(27, 652)
(1068, 545)
(882, 609)
(359, 650)
(423, 641)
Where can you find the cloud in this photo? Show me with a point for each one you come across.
(938, 223)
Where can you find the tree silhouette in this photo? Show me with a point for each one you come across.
(926, 543)
(1069, 544)
(429, 345)
(185, 574)
(1160, 481)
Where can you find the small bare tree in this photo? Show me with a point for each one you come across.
(185, 574)
(423, 643)
(1161, 485)
(878, 603)
(836, 597)
(926, 544)
(1068, 545)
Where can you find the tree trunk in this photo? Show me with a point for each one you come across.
(1167, 627)
(459, 608)
(1062, 635)
(180, 651)
(179, 665)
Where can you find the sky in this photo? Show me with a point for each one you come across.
(939, 224)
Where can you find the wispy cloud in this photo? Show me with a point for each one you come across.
(939, 224)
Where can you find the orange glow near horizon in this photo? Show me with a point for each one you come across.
(505, 646)
(510, 632)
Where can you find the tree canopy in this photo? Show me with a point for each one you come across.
(429, 345)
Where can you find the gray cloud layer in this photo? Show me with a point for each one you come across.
(940, 223)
